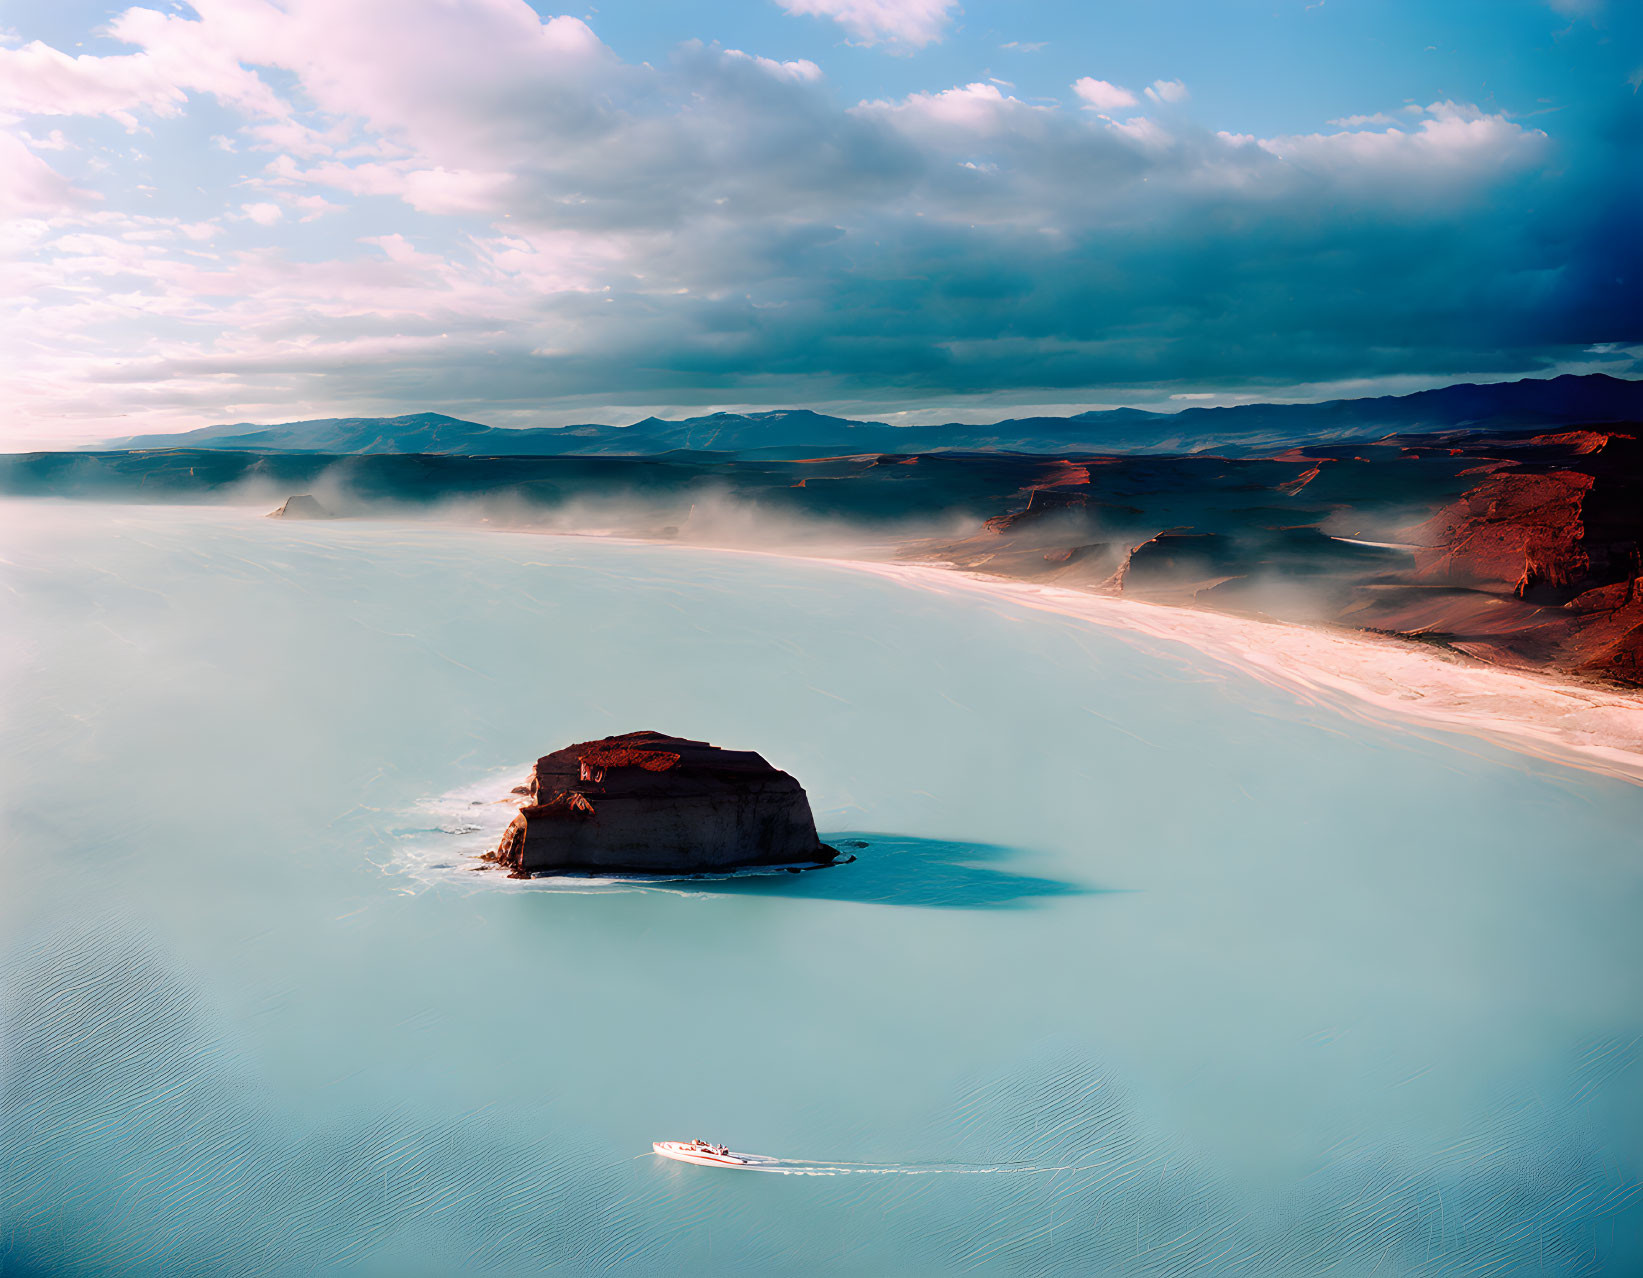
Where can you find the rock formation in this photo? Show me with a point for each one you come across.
(647, 803)
(301, 506)
(1042, 504)
(1177, 556)
(1563, 540)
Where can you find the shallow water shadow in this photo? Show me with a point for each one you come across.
(895, 869)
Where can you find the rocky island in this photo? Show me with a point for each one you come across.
(647, 803)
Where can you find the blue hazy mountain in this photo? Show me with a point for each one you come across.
(793, 433)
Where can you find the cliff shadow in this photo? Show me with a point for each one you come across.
(896, 869)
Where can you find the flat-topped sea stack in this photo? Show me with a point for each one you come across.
(645, 803)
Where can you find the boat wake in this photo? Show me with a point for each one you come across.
(814, 1167)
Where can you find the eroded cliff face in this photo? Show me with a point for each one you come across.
(1517, 532)
(649, 803)
(1563, 537)
(1517, 549)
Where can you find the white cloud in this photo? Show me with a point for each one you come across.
(718, 213)
(177, 59)
(1359, 121)
(29, 187)
(399, 249)
(1103, 95)
(312, 207)
(801, 69)
(1453, 144)
(53, 141)
(1141, 130)
(435, 190)
(979, 108)
(263, 214)
(1167, 91)
(914, 23)
(39, 80)
(296, 137)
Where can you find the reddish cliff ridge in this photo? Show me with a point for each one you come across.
(1558, 525)
(647, 803)
(1521, 549)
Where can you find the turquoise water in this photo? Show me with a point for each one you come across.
(1147, 967)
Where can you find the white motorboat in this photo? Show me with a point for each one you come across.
(704, 1153)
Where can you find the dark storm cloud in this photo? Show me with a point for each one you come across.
(553, 224)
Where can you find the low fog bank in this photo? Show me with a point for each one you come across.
(650, 499)
(1519, 550)
(710, 517)
(1233, 561)
(705, 514)
(1235, 535)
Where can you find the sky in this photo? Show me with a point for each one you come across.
(908, 210)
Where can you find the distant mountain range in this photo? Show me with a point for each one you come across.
(799, 433)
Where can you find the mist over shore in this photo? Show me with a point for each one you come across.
(1517, 546)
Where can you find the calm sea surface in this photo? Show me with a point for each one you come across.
(1147, 968)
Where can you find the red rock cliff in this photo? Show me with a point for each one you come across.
(1565, 537)
(649, 803)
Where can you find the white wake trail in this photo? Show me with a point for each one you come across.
(818, 1167)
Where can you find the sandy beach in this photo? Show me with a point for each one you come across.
(1384, 680)
(1584, 725)
(1387, 680)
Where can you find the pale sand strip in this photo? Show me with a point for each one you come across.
(1383, 680)
(1583, 725)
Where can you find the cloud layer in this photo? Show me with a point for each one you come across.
(914, 23)
(426, 203)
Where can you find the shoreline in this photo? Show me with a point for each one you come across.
(1374, 678)
(1377, 679)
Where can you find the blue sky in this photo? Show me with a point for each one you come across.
(913, 210)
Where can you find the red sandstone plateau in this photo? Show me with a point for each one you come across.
(1522, 550)
(646, 803)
